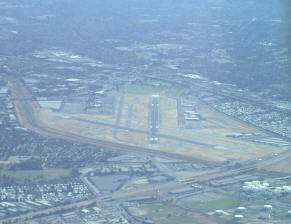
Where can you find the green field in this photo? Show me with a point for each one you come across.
(144, 55)
(282, 55)
(158, 209)
(33, 174)
(222, 203)
(155, 86)
(166, 214)
(177, 220)
(282, 51)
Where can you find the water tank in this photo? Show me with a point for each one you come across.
(246, 188)
(240, 209)
(238, 217)
(219, 212)
(256, 182)
(247, 183)
(286, 189)
(268, 207)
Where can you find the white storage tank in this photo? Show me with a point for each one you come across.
(241, 209)
(238, 217)
(287, 189)
(247, 183)
(219, 212)
(256, 182)
(268, 207)
(246, 188)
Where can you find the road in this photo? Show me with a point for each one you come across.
(91, 186)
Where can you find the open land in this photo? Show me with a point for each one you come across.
(210, 139)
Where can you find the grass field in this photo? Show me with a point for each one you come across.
(222, 203)
(158, 209)
(177, 220)
(33, 174)
(166, 214)
(154, 86)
